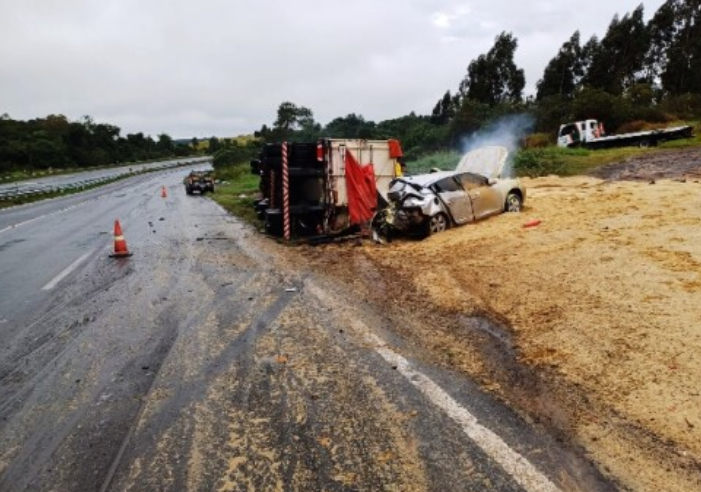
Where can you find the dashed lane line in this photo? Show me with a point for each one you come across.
(39, 217)
(66, 271)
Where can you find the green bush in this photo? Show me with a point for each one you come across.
(232, 172)
(612, 110)
(552, 112)
(684, 106)
(544, 161)
(538, 140)
(444, 160)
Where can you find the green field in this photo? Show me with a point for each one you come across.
(570, 162)
(237, 191)
(543, 161)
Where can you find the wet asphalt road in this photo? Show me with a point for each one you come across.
(67, 180)
(204, 362)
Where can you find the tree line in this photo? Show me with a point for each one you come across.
(637, 72)
(57, 143)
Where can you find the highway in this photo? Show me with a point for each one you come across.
(217, 359)
(87, 178)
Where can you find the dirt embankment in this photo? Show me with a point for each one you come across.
(602, 302)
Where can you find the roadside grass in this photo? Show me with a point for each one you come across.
(566, 162)
(239, 188)
(550, 159)
(569, 162)
(237, 192)
(539, 161)
(443, 160)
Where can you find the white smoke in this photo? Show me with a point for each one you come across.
(508, 131)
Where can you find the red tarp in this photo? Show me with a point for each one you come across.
(361, 189)
(395, 150)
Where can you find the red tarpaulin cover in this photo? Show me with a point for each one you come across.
(395, 150)
(362, 192)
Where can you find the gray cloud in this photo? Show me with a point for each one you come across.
(217, 67)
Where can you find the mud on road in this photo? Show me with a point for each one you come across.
(594, 328)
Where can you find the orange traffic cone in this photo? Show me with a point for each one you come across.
(120, 244)
(164, 192)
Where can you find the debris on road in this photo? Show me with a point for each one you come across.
(532, 223)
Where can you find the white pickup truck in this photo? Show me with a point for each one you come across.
(590, 134)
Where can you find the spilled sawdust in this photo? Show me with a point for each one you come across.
(604, 296)
(337, 434)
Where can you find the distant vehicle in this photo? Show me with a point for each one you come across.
(200, 181)
(431, 203)
(590, 134)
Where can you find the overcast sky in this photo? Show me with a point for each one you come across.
(218, 67)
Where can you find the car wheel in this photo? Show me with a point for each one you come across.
(437, 223)
(513, 202)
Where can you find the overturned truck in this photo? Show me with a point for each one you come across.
(324, 188)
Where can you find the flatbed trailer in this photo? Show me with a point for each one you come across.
(590, 134)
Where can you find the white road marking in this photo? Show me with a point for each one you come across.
(522, 471)
(67, 271)
(34, 219)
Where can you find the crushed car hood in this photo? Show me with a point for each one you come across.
(485, 161)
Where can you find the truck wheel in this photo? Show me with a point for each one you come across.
(513, 202)
(437, 223)
(644, 144)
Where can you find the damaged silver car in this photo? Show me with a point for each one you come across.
(431, 203)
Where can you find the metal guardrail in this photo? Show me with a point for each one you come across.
(20, 190)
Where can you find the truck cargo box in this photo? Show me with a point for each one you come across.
(333, 185)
